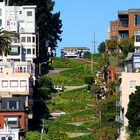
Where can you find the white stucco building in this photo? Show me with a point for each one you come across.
(128, 83)
(6, 133)
(20, 20)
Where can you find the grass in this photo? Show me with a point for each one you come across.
(65, 80)
(71, 101)
(83, 115)
(65, 63)
(74, 102)
(74, 76)
(79, 95)
(63, 127)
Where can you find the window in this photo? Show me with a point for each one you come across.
(24, 69)
(132, 84)
(33, 39)
(123, 35)
(3, 138)
(23, 83)
(9, 138)
(20, 12)
(0, 22)
(137, 38)
(20, 69)
(14, 83)
(113, 27)
(12, 121)
(1, 69)
(123, 22)
(136, 20)
(29, 13)
(28, 51)
(12, 104)
(28, 39)
(4, 83)
(23, 39)
(8, 22)
(33, 51)
(15, 50)
(114, 37)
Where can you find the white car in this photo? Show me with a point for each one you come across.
(58, 88)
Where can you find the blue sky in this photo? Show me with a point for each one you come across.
(81, 18)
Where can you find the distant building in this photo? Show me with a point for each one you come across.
(73, 52)
(127, 23)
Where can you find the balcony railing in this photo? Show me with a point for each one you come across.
(123, 23)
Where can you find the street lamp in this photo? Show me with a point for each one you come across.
(40, 66)
(94, 51)
(94, 42)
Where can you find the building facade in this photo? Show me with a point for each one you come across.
(21, 21)
(73, 52)
(127, 23)
(129, 81)
(17, 70)
(16, 92)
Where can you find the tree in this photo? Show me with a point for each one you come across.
(111, 85)
(102, 47)
(34, 135)
(106, 133)
(126, 45)
(89, 80)
(5, 42)
(133, 111)
(111, 45)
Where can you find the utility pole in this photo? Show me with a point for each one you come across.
(94, 42)
(94, 51)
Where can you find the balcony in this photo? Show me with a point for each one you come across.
(11, 104)
(123, 25)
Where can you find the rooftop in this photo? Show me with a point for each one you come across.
(79, 48)
(127, 11)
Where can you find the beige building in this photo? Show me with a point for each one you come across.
(128, 84)
(16, 90)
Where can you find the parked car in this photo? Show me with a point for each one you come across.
(58, 88)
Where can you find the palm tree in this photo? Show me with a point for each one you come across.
(5, 42)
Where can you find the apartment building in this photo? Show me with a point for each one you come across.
(21, 21)
(127, 23)
(73, 52)
(129, 80)
(17, 70)
(16, 90)
(132, 61)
